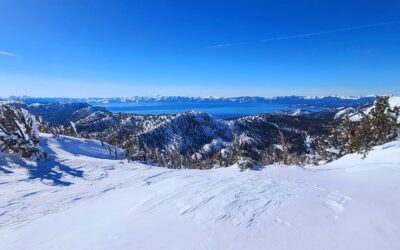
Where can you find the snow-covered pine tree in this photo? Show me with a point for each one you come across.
(19, 132)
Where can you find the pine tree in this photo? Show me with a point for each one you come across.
(343, 136)
(383, 121)
(377, 127)
(285, 148)
(363, 141)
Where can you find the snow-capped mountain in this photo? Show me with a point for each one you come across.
(323, 101)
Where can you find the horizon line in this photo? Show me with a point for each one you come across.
(194, 96)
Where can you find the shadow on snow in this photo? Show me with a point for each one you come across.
(50, 169)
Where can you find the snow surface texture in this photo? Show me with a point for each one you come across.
(101, 203)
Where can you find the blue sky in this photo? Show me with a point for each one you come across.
(199, 48)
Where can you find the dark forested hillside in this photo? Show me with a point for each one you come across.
(195, 139)
(61, 113)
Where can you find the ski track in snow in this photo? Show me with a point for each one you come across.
(275, 198)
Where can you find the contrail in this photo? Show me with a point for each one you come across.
(306, 34)
(5, 53)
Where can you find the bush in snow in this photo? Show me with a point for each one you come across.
(245, 163)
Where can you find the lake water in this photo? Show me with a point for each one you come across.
(220, 110)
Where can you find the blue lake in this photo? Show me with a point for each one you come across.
(220, 110)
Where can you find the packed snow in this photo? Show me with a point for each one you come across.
(82, 198)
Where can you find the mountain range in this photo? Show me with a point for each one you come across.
(323, 101)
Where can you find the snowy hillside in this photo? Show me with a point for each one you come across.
(101, 203)
(353, 113)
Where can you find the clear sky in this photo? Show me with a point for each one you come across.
(199, 48)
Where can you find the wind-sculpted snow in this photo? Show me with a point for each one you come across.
(112, 204)
(245, 200)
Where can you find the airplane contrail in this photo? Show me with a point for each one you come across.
(306, 34)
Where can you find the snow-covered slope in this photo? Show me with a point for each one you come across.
(112, 204)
